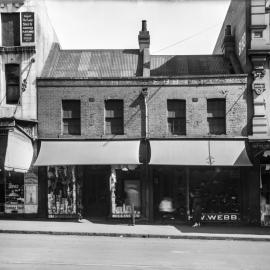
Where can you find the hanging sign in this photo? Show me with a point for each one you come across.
(28, 27)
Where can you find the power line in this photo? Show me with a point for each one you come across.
(190, 37)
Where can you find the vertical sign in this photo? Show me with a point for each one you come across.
(28, 27)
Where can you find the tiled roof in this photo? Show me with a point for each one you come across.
(126, 63)
(174, 65)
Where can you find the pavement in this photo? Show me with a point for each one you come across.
(87, 227)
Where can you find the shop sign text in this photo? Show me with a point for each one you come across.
(217, 217)
(28, 28)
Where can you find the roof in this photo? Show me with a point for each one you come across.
(127, 63)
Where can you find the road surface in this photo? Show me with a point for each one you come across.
(42, 252)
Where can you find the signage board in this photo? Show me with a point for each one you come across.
(28, 26)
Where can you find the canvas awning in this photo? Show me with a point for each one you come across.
(199, 152)
(88, 153)
(19, 152)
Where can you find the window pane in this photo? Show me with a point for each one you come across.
(13, 94)
(114, 108)
(72, 126)
(176, 108)
(216, 126)
(114, 117)
(71, 117)
(10, 29)
(114, 126)
(12, 83)
(216, 107)
(177, 126)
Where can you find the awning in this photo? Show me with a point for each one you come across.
(199, 152)
(19, 152)
(88, 153)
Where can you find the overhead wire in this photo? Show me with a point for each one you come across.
(187, 38)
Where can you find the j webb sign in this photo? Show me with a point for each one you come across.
(218, 217)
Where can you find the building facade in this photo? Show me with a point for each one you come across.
(249, 23)
(26, 38)
(120, 130)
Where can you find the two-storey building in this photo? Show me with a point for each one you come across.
(123, 128)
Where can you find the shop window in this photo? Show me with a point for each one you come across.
(176, 116)
(14, 193)
(216, 117)
(12, 83)
(62, 194)
(10, 29)
(71, 117)
(114, 117)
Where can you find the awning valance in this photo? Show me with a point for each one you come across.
(19, 152)
(199, 152)
(88, 153)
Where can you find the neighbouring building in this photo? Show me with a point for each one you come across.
(25, 41)
(123, 129)
(248, 21)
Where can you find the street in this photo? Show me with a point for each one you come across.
(20, 251)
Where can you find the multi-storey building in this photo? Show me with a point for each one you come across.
(249, 23)
(124, 128)
(25, 41)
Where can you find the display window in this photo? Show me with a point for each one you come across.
(219, 189)
(61, 192)
(14, 193)
(265, 195)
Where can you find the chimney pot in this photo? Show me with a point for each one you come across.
(144, 25)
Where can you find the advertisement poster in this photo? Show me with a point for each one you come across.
(28, 27)
(14, 202)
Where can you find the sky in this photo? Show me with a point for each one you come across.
(175, 26)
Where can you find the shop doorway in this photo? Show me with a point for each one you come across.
(96, 195)
(170, 183)
(265, 195)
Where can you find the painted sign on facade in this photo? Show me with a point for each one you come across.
(28, 27)
(220, 217)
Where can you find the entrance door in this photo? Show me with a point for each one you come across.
(170, 182)
(96, 195)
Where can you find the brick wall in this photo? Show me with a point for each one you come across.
(196, 108)
(92, 99)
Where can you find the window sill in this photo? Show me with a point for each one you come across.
(18, 49)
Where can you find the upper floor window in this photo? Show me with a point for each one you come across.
(114, 117)
(176, 116)
(71, 117)
(216, 116)
(12, 72)
(10, 29)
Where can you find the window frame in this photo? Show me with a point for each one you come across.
(109, 119)
(67, 121)
(181, 102)
(212, 118)
(10, 101)
(11, 37)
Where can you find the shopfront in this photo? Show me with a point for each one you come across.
(216, 170)
(18, 186)
(92, 179)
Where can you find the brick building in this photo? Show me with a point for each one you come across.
(123, 128)
(248, 21)
(26, 38)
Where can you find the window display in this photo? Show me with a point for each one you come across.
(61, 192)
(265, 195)
(14, 198)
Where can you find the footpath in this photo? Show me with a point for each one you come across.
(171, 231)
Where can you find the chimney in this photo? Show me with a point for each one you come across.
(229, 49)
(144, 44)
